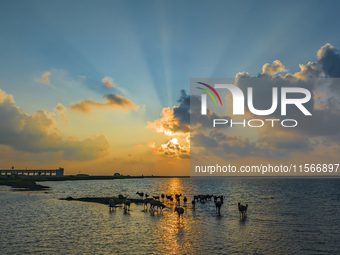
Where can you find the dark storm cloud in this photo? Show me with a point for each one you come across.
(329, 59)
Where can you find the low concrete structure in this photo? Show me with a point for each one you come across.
(56, 172)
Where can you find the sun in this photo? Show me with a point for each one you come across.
(174, 140)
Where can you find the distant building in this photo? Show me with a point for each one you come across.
(56, 172)
(117, 174)
(82, 175)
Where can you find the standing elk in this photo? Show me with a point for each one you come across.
(127, 205)
(242, 210)
(141, 194)
(180, 211)
(112, 203)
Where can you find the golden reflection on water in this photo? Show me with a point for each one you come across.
(174, 226)
(175, 187)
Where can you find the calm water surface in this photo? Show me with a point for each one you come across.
(285, 216)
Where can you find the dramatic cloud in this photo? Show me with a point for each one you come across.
(324, 105)
(173, 149)
(176, 121)
(273, 68)
(329, 59)
(45, 79)
(37, 134)
(320, 130)
(112, 101)
(309, 71)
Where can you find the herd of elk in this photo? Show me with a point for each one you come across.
(156, 204)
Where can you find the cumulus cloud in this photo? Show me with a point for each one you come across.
(173, 149)
(320, 129)
(309, 71)
(177, 120)
(274, 68)
(324, 106)
(168, 124)
(329, 59)
(37, 134)
(112, 101)
(44, 78)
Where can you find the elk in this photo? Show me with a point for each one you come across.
(218, 205)
(141, 194)
(202, 198)
(157, 204)
(146, 202)
(180, 211)
(185, 200)
(112, 203)
(127, 205)
(242, 210)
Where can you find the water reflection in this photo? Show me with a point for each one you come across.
(285, 216)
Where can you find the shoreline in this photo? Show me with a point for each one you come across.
(103, 177)
(22, 184)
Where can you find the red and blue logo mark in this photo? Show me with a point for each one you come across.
(209, 93)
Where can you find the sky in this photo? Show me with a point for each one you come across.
(91, 86)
